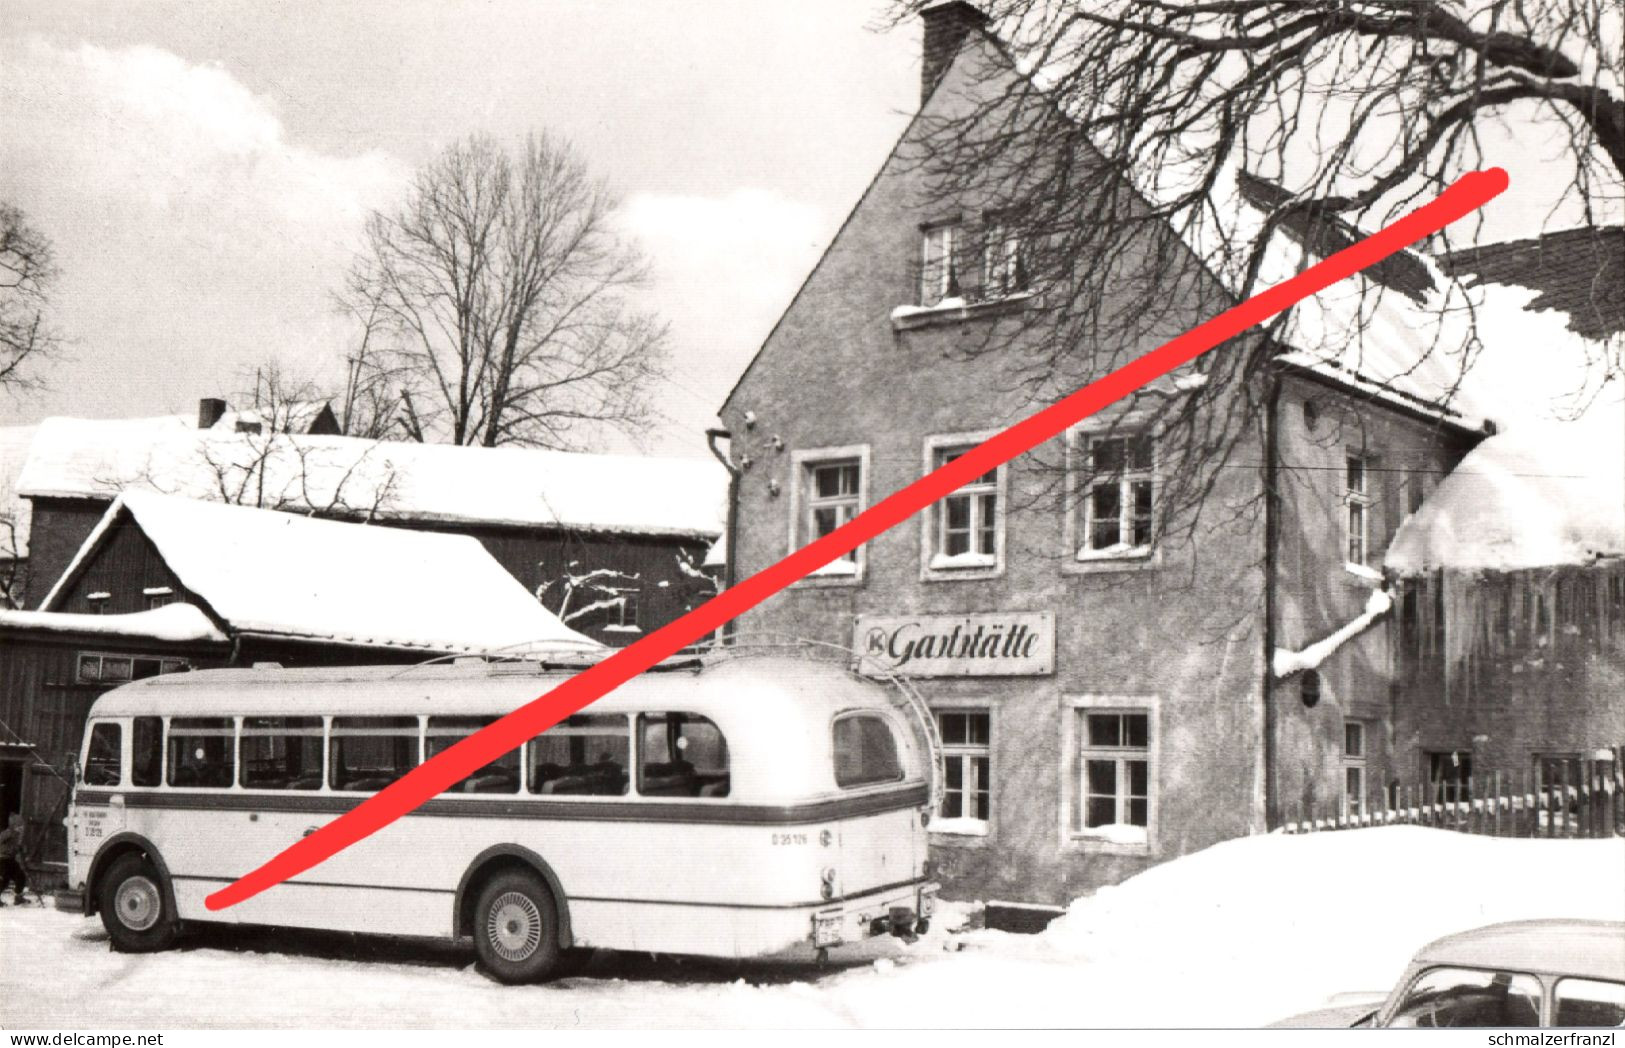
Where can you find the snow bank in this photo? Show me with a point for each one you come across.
(73, 458)
(1537, 495)
(173, 622)
(1255, 929)
(1241, 934)
(269, 572)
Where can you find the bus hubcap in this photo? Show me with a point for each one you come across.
(138, 904)
(514, 927)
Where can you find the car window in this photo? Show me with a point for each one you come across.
(1471, 997)
(1588, 1002)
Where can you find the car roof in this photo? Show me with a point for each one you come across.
(1590, 949)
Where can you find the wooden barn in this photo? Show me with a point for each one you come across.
(612, 543)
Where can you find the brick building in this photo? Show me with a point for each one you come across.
(1118, 677)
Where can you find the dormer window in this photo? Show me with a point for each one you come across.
(1004, 267)
(939, 277)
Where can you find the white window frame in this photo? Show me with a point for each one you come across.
(1357, 497)
(799, 483)
(1073, 754)
(950, 231)
(1125, 481)
(1355, 762)
(618, 618)
(1077, 523)
(968, 825)
(934, 567)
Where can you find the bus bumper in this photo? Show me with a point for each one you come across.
(69, 902)
(904, 911)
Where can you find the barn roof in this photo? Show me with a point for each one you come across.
(1577, 272)
(388, 480)
(261, 571)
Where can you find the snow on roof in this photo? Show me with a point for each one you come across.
(78, 458)
(1538, 495)
(14, 511)
(267, 572)
(172, 622)
(1577, 272)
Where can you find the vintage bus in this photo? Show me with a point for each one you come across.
(739, 807)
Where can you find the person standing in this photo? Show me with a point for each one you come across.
(11, 856)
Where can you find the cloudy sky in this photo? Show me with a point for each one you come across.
(203, 170)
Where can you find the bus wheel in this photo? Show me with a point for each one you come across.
(133, 909)
(516, 928)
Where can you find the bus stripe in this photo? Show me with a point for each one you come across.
(813, 904)
(539, 808)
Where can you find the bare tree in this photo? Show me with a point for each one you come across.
(501, 286)
(27, 271)
(1127, 164)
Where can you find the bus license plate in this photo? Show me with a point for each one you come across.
(826, 929)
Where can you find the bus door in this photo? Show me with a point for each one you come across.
(98, 810)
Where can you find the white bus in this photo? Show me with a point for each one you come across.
(750, 807)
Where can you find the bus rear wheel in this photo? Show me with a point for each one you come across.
(516, 928)
(133, 907)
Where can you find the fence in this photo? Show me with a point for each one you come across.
(1569, 797)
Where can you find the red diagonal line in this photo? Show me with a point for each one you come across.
(1467, 193)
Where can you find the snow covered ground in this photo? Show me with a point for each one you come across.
(1241, 934)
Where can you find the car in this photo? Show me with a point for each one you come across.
(1562, 973)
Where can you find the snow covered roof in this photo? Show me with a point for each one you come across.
(1577, 272)
(267, 572)
(1537, 495)
(14, 511)
(172, 622)
(83, 458)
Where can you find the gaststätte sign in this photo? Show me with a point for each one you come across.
(998, 644)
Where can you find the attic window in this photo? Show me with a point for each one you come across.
(939, 276)
(158, 596)
(98, 602)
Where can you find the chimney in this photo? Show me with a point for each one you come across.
(209, 411)
(946, 27)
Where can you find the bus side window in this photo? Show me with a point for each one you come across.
(499, 776)
(681, 755)
(103, 760)
(587, 755)
(200, 751)
(282, 753)
(865, 751)
(369, 753)
(146, 751)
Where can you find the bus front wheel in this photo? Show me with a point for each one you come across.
(516, 928)
(134, 910)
